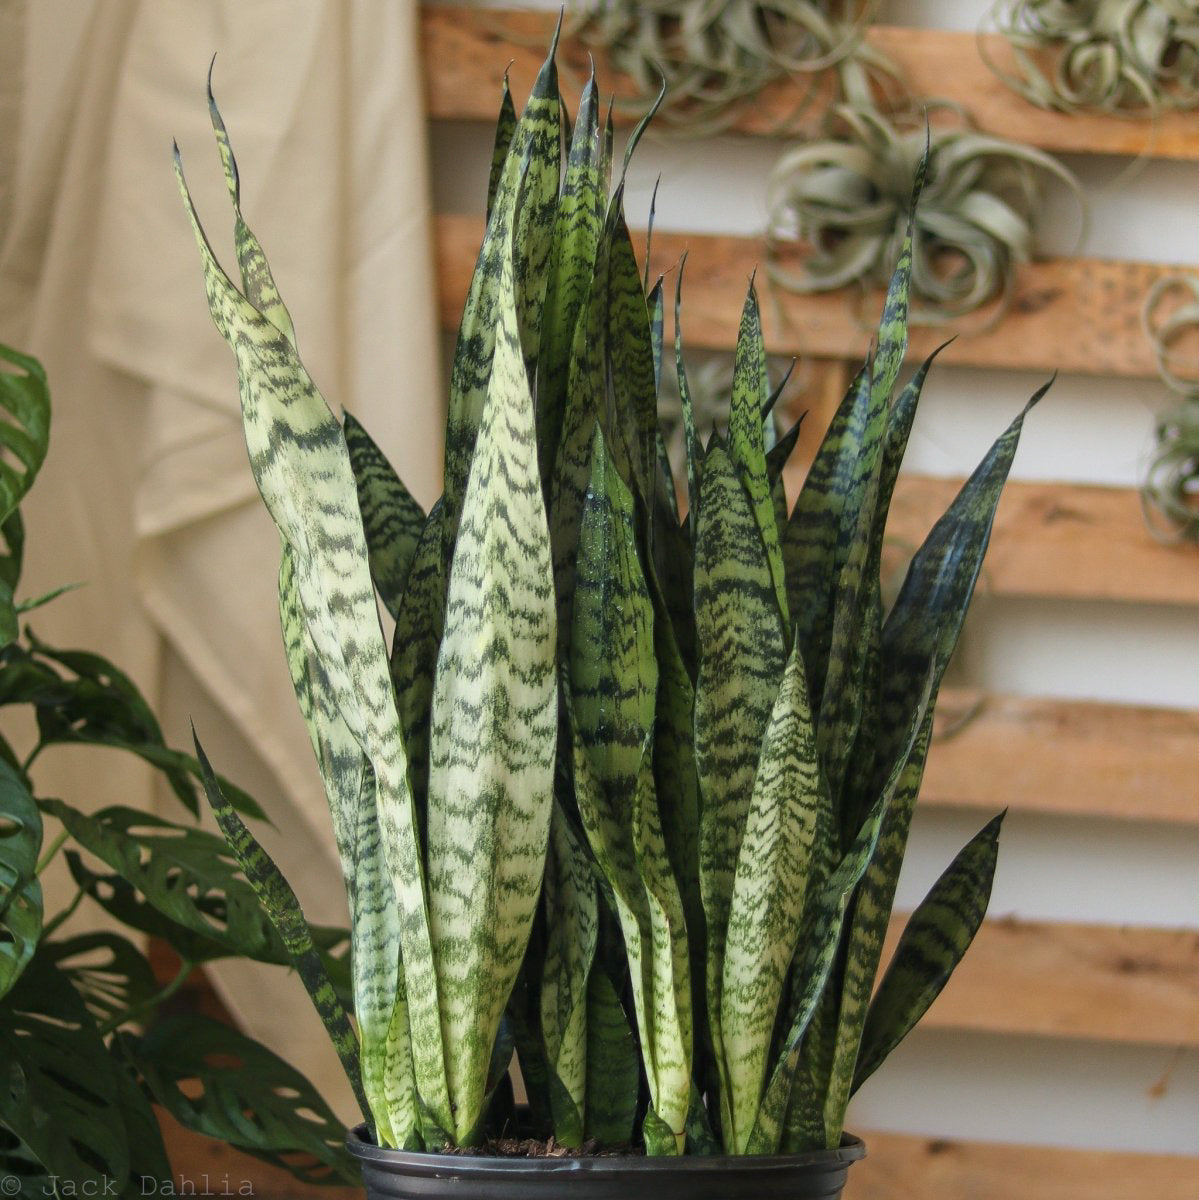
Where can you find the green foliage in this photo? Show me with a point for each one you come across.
(81, 1057)
(635, 792)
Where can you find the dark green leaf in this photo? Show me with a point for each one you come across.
(391, 517)
(933, 942)
(218, 1082)
(20, 890)
(281, 905)
(25, 431)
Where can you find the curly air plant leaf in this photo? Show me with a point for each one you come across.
(1124, 57)
(716, 58)
(845, 200)
(1172, 481)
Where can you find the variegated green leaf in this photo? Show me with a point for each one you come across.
(302, 468)
(773, 870)
(530, 172)
(690, 442)
(670, 996)
(612, 1065)
(633, 423)
(586, 397)
(283, 907)
(821, 937)
(747, 448)
(810, 539)
(936, 936)
(391, 516)
(572, 922)
(20, 890)
(742, 656)
(387, 1077)
(505, 130)
(494, 726)
(577, 229)
(415, 643)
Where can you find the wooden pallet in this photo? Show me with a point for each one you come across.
(1073, 315)
(467, 49)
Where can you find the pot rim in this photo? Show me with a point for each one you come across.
(422, 1163)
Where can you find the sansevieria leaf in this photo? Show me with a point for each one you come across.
(742, 657)
(391, 516)
(494, 725)
(283, 907)
(936, 936)
(773, 871)
(302, 468)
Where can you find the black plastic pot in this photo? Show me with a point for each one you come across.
(404, 1175)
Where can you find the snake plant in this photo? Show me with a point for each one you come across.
(630, 788)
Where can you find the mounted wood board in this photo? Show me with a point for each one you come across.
(1058, 541)
(1059, 979)
(1075, 315)
(1064, 758)
(467, 50)
(913, 1168)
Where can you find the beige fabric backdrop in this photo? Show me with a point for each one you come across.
(147, 495)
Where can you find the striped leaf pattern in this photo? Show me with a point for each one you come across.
(494, 726)
(936, 936)
(572, 928)
(530, 173)
(578, 225)
(742, 657)
(387, 1079)
(768, 894)
(630, 793)
(747, 446)
(391, 516)
(302, 468)
(283, 907)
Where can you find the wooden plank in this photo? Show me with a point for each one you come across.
(1059, 541)
(1059, 979)
(899, 1167)
(467, 50)
(1075, 315)
(1064, 758)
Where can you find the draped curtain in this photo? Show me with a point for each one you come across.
(147, 497)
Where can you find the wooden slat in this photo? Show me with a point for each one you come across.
(467, 49)
(906, 1168)
(1059, 979)
(1074, 315)
(1064, 758)
(1059, 541)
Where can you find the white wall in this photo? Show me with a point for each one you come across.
(1057, 1092)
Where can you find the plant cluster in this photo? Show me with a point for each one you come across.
(1127, 57)
(714, 59)
(844, 200)
(86, 1042)
(629, 790)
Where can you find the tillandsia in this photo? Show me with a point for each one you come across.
(839, 210)
(715, 59)
(631, 789)
(1131, 57)
(1170, 492)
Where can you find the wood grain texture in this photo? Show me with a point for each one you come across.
(906, 1168)
(1073, 315)
(1059, 541)
(467, 49)
(1059, 979)
(1064, 758)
